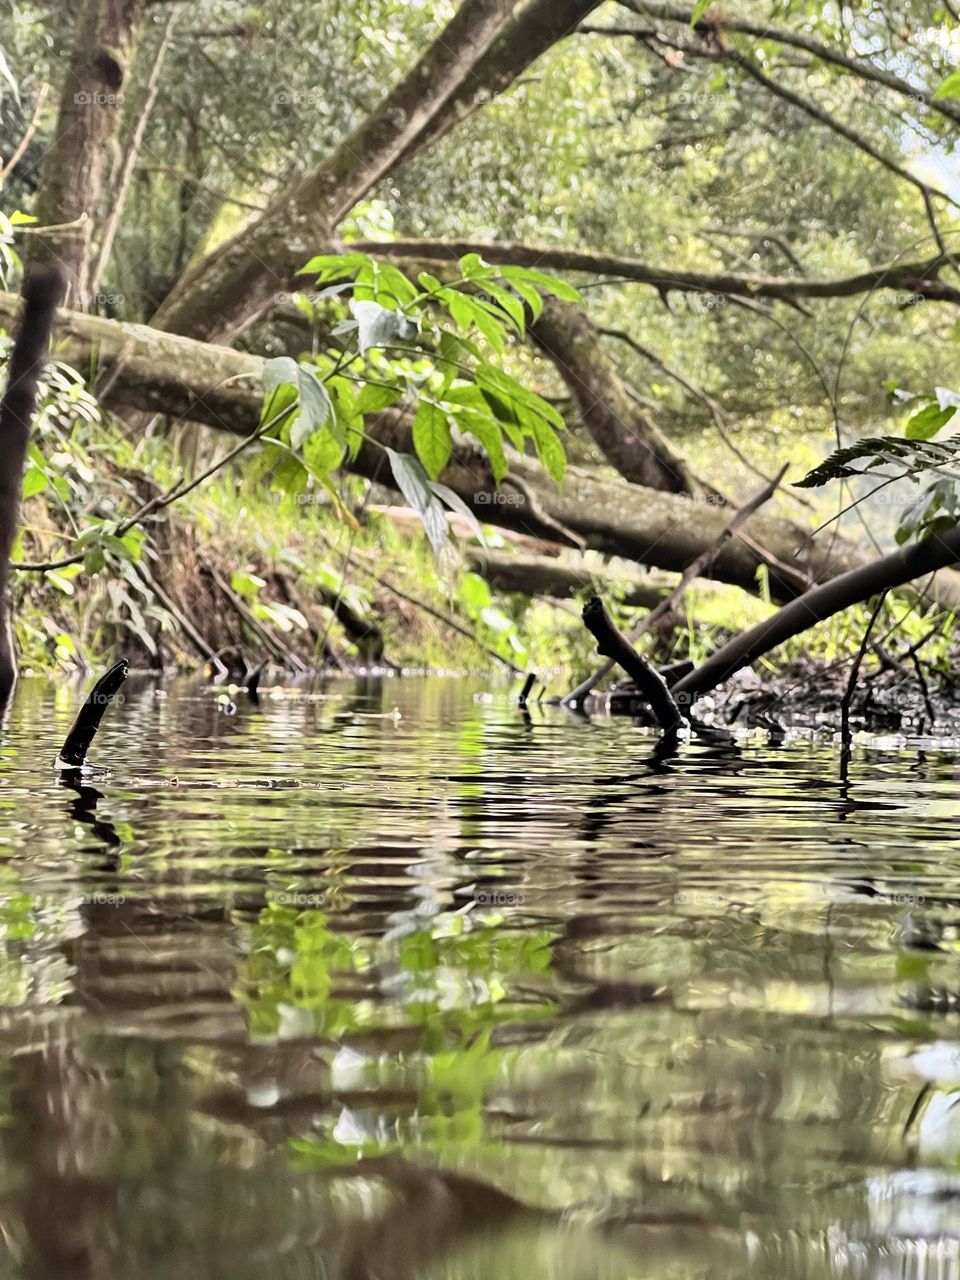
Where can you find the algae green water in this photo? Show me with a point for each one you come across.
(390, 979)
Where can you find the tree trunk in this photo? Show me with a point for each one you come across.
(175, 375)
(71, 183)
(42, 290)
(622, 431)
(561, 580)
(233, 285)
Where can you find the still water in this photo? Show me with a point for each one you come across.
(388, 979)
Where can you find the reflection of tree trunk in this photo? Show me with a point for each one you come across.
(55, 1097)
(74, 170)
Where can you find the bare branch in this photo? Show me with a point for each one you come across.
(918, 278)
(798, 40)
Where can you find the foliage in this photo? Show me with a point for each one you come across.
(454, 978)
(433, 349)
(914, 454)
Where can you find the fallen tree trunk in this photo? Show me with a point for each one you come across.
(894, 570)
(542, 576)
(151, 370)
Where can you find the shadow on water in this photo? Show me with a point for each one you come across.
(392, 979)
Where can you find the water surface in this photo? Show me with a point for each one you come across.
(389, 979)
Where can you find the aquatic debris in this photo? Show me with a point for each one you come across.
(611, 644)
(73, 753)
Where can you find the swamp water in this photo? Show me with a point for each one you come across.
(585, 1014)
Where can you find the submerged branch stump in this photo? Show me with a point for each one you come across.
(611, 644)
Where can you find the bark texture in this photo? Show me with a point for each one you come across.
(919, 278)
(42, 290)
(152, 370)
(71, 185)
(625, 435)
(858, 584)
(542, 576)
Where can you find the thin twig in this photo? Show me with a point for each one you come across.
(855, 671)
(693, 570)
(25, 141)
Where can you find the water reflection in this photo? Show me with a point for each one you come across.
(387, 979)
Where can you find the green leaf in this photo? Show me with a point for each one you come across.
(246, 584)
(380, 327)
(925, 424)
(531, 297)
(335, 266)
(315, 407)
(914, 456)
(414, 483)
(393, 285)
(323, 453)
(473, 267)
(279, 372)
(375, 397)
(456, 503)
(549, 284)
(484, 429)
(466, 312)
(950, 87)
(699, 9)
(431, 438)
(34, 482)
(549, 449)
(509, 303)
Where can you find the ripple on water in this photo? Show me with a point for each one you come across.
(580, 1012)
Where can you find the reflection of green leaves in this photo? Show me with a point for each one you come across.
(295, 959)
(454, 979)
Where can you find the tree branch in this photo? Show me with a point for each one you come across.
(819, 603)
(919, 278)
(611, 644)
(795, 39)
